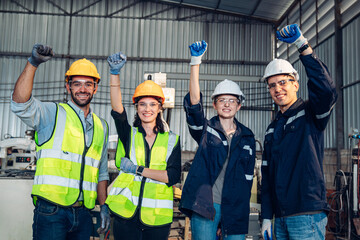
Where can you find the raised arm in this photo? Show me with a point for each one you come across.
(321, 87)
(116, 62)
(197, 50)
(292, 34)
(24, 85)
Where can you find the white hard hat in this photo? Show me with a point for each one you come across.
(279, 66)
(228, 87)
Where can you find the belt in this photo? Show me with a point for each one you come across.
(305, 213)
(78, 204)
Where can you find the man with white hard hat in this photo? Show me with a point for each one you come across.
(218, 187)
(293, 184)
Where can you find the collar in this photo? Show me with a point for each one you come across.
(292, 109)
(240, 129)
(142, 130)
(78, 111)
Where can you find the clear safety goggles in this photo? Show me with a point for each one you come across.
(281, 83)
(143, 105)
(230, 101)
(76, 84)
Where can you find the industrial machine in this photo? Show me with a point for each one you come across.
(17, 153)
(344, 217)
(17, 158)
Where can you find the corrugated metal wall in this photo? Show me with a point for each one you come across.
(317, 21)
(351, 49)
(155, 38)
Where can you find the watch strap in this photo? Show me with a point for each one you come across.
(303, 48)
(139, 170)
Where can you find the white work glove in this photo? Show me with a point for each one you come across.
(197, 50)
(266, 229)
(291, 34)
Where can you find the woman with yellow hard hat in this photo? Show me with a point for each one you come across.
(149, 160)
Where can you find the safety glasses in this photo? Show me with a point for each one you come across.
(231, 101)
(143, 105)
(281, 83)
(77, 84)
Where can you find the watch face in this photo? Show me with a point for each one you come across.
(140, 169)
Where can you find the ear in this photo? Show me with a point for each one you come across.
(296, 84)
(96, 88)
(238, 107)
(214, 105)
(68, 88)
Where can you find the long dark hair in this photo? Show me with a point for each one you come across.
(159, 125)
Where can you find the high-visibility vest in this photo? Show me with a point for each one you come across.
(156, 207)
(65, 166)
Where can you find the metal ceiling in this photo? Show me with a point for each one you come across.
(271, 11)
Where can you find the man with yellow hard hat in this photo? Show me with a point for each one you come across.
(71, 151)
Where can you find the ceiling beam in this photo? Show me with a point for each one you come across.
(215, 11)
(123, 8)
(158, 12)
(22, 6)
(57, 6)
(218, 4)
(86, 7)
(179, 9)
(292, 6)
(257, 4)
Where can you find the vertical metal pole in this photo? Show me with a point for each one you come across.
(355, 180)
(275, 106)
(340, 102)
(67, 64)
(339, 112)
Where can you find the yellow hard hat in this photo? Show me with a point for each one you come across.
(82, 67)
(149, 88)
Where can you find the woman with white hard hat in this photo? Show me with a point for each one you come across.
(217, 190)
(149, 160)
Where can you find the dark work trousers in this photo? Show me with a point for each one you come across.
(52, 222)
(133, 229)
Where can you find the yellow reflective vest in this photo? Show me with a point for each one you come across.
(130, 191)
(65, 166)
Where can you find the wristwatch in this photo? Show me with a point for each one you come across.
(139, 170)
(303, 48)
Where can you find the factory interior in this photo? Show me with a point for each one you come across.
(155, 36)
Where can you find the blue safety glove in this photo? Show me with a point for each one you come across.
(127, 165)
(266, 229)
(197, 50)
(291, 34)
(116, 62)
(40, 53)
(105, 219)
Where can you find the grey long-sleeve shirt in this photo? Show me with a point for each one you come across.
(41, 117)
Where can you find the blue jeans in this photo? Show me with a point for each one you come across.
(304, 227)
(52, 222)
(205, 229)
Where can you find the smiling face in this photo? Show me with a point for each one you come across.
(283, 93)
(148, 108)
(226, 106)
(82, 90)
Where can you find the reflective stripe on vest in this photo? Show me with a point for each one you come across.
(157, 198)
(60, 159)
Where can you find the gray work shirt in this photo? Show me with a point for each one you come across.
(218, 185)
(41, 117)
